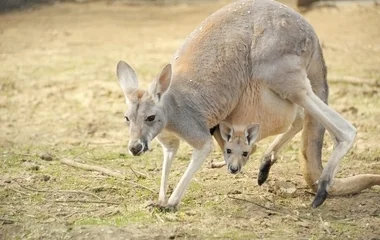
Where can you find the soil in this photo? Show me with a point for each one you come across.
(60, 99)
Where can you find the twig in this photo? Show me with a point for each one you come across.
(101, 143)
(86, 201)
(345, 222)
(159, 218)
(352, 80)
(323, 224)
(59, 191)
(257, 204)
(102, 170)
(25, 154)
(270, 209)
(91, 168)
(141, 186)
(18, 191)
(7, 221)
(137, 173)
(311, 193)
(77, 155)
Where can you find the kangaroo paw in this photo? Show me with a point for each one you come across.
(264, 172)
(170, 208)
(217, 164)
(321, 194)
(156, 205)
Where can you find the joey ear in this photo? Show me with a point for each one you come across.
(161, 84)
(226, 131)
(127, 77)
(251, 133)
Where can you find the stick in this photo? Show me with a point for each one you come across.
(25, 154)
(23, 193)
(352, 80)
(141, 186)
(311, 193)
(101, 143)
(323, 225)
(83, 152)
(159, 218)
(270, 209)
(257, 204)
(102, 170)
(137, 173)
(91, 168)
(86, 201)
(7, 221)
(59, 191)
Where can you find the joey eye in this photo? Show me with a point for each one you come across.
(245, 154)
(126, 118)
(229, 151)
(150, 118)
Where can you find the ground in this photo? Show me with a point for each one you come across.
(60, 100)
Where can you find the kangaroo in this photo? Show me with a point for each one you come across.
(248, 41)
(238, 145)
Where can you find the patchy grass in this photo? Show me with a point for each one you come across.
(59, 95)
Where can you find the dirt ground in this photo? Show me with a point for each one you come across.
(59, 97)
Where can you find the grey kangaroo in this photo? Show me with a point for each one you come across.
(244, 48)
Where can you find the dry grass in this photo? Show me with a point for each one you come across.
(59, 95)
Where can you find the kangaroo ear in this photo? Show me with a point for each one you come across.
(127, 77)
(226, 131)
(159, 86)
(251, 133)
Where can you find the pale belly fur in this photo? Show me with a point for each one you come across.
(261, 105)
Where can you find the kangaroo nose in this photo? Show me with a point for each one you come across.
(136, 149)
(234, 170)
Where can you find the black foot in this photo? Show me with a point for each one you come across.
(321, 195)
(156, 206)
(264, 172)
(161, 207)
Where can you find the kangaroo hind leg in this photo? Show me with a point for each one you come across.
(271, 154)
(291, 81)
(342, 132)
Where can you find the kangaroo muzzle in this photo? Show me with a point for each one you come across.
(136, 148)
(234, 168)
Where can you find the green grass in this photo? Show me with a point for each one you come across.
(130, 217)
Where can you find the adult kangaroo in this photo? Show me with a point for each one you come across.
(247, 42)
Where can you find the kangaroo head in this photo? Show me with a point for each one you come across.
(238, 146)
(145, 115)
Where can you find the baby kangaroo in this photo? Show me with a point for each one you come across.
(237, 146)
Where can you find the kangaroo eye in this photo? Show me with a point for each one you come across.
(229, 151)
(150, 118)
(245, 154)
(126, 118)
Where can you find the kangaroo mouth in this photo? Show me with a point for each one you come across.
(145, 146)
(143, 150)
(139, 148)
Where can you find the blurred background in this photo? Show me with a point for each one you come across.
(59, 95)
(58, 58)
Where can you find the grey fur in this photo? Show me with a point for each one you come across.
(244, 47)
